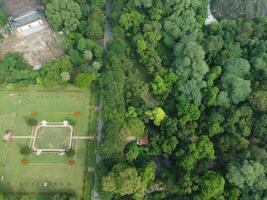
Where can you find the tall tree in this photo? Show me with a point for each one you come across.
(64, 14)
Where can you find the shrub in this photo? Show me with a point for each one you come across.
(34, 114)
(70, 153)
(25, 151)
(77, 114)
(31, 121)
(24, 162)
(3, 17)
(71, 162)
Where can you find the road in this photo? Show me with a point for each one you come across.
(107, 38)
(210, 18)
(108, 32)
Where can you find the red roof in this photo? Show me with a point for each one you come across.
(143, 141)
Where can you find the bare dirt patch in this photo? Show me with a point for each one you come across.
(36, 48)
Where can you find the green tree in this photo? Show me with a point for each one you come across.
(190, 68)
(88, 55)
(248, 175)
(24, 197)
(70, 152)
(133, 127)
(30, 121)
(64, 14)
(202, 149)
(144, 3)
(3, 17)
(259, 64)
(95, 30)
(85, 79)
(25, 150)
(211, 186)
(233, 80)
(113, 141)
(259, 100)
(15, 70)
(65, 76)
(122, 180)
(50, 74)
(132, 151)
(187, 112)
(157, 115)
(131, 21)
(159, 86)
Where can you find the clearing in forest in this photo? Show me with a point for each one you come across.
(48, 172)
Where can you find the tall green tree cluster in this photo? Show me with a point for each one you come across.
(199, 90)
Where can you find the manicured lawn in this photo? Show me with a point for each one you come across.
(52, 138)
(51, 105)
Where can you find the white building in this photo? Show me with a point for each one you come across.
(25, 16)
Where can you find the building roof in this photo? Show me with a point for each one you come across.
(143, 141)
(17, 8)
(31, 16)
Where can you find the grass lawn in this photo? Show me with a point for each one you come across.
(52, 138)
(78, 105)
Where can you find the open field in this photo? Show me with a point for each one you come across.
(51, 105)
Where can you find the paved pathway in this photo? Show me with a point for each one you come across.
(83, 137)
(107, 38)
(22, 137)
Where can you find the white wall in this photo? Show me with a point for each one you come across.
(29, 26)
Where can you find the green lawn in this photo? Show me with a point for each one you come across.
(52, 138)
(51, 105)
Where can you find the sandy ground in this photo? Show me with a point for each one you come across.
(36, 48)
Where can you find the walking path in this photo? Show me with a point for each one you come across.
(107, 38)
(210, 18)
(83, 137)
(22, 137)
(73, 138)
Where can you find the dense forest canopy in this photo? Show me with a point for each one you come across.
(199, 93)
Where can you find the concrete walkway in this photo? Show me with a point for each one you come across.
(22, 137)
(83, 137)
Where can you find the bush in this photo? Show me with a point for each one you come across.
(25, 151)
(71, 162)
(3, 17)
(70, 153)
(24, 162)
(31, 121)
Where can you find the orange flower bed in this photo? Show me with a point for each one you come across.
(72, 162)
(77, 114)
(34, 114)
(24, 162)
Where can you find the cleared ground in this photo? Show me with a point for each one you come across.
(51, 105)
(36, 48)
